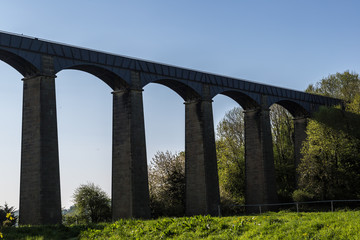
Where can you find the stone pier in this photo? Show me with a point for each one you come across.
(202, 184)
(259, 159)
(39, 181)
(130, 191)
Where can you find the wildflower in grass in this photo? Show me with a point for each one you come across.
(1, 236)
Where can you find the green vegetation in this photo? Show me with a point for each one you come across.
(92, 205)
(167, 184)
(230, 149)
(283, 225)
(330, 168)
(7, 215)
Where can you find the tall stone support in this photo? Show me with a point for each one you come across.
(300, 125)
(40, 201)
(130, 191)
(259, 159)
(202, 184)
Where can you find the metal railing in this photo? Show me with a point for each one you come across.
(311, 206)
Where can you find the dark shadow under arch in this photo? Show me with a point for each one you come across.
(111, 79)
(24, 67)
(242, 99)
(186, 92)
(295, 109)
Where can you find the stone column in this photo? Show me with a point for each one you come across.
(130, 190)
(300, 125)
(202, 184)
(259, 159)
(40, 201)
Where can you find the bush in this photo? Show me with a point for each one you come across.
(302, 196)
(92, 204)
(7, 216)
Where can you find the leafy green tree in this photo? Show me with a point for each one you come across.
(330, 168)
(230, 146)
(340, 85)
(167, 184)
(230, 150)
(92, 203)
(282, 129)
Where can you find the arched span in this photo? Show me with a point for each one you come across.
(186, 92)
(24, 67)
(242, 99)
(110, 78)
(295, 109)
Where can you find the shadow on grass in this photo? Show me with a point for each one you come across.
(52, 232)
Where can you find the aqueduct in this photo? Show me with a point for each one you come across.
(39, 61)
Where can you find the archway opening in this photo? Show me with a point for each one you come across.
(230, 149)
(287, 135)
(11, 88)
(165, 146)
(84, 111)
(282, 131)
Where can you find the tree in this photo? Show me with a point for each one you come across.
(282, 129)
(230, 149)
(330, 168)
(92, 203)
(340, 85)
(167, 184)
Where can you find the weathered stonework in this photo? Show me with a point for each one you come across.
(130, 191)
(202, 184)
(259, 159)
(40, 181)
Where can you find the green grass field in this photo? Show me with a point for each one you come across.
(283, 225)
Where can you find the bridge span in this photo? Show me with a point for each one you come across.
(39, 61)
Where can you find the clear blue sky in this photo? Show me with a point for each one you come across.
(283, 43)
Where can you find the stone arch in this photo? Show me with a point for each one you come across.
(245, 101)
(185, 91)
(113, 80)
(295, 109)
(24, 67)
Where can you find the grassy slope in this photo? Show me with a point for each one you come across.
(337, 225)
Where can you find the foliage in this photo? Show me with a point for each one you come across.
(53, 232)
(339, 225)
(92, 203)
(340, 85)
(167, 184)
(283, 225)
(231, 162)
(330, 168)
(71, 216)
(282, 129)
(7, 215)
(230, 146)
